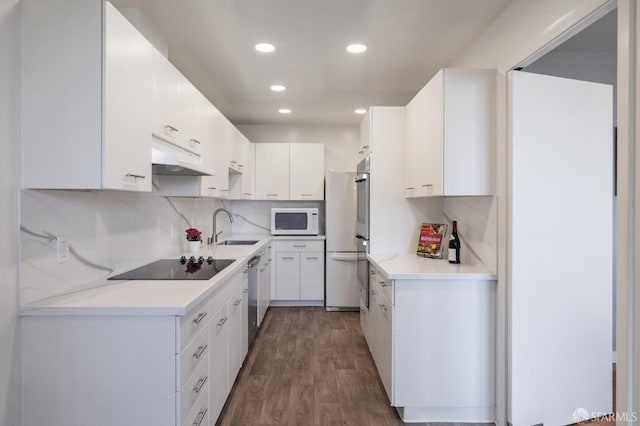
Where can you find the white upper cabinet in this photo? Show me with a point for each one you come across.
(450, 135)
(289, 171)
(248, 169)
(306, 168)
(87, 97)
(168, 119)
(272, 171)
(366, 141)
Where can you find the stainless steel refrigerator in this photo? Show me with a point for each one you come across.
(342, 289)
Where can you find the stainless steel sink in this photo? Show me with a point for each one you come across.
(237, 243)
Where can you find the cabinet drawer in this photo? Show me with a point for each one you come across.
(199, 414)
(226, 289)
(194, 388)
(300, 245)
(384, 285)
(191, 323)
(191, 357)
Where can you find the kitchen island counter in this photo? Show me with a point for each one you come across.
(412, 267)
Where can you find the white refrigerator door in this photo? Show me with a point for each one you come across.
(340, 211)
(342, 289)
(561, 249)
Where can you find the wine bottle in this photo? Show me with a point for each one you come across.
(454, 244)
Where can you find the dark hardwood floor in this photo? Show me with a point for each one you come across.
(309, 367)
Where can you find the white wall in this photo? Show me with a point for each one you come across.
(341, 142)
(10, 378)
(109, 231)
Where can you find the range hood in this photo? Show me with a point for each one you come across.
(166, 163)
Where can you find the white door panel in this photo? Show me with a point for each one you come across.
(560, 340)
(342, 288)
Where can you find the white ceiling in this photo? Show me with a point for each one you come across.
(211, 42)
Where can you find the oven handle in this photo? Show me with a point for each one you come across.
(362, 178)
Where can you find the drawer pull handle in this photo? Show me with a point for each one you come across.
(373, 293)
(263, 269)
(211, 187)
(170, 129)
(199, 318)
(361, 152)
(299, 245)
(365, 146)
(197, 354)
(233, 161)
(198, 387)
(428, 185)
(246, 271)
(410, 187)
(135, 176)
(272, 195)
(312, 258)
(383, 308)
(372, 272)
(237, 302)
(200, 418)
(306, 195)
(287, 258)
(246, 290)
(195, 141)
(222, 321)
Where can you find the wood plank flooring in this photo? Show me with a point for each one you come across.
(309, 367)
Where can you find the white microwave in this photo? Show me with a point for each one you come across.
(294, 221)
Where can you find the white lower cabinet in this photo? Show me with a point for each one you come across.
(159, 370)
(433, 342)
(264, 283)
(299, 270)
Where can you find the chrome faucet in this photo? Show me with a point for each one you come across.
(214, 236)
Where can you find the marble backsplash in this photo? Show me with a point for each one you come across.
(108, 231)
(477, 227)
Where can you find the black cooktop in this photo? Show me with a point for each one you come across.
(177, 269)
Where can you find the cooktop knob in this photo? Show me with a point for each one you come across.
(200, 259)
(183, 259)
(192, 259)
(209, 260)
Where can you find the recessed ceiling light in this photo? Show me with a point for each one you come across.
(278, 88)
(265, 47)
(284, 111)
(356, 48)
(360, 111)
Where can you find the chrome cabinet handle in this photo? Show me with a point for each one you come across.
(240, 165)
(233, 161)
(197, 354)
(287, 258)
(372, 272)
(135, 176)
(246, 271)
(299, 245)
(237, 302)
(222, 321)
(211, 187)
(373, 293)
(306, 195)
(312, 258)
(383, 308)
(170, 128)
(246, 290)
(224, 190)
(200, 418)
(365, 146)
(410, 187)
(198, 387)
(195, 141)
(272, 195)
(263, 269)
(199, 318)
(428, 185)
(361, 152)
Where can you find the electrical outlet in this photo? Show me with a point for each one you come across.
(62, 248)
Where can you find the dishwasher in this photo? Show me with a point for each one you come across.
(252, 268)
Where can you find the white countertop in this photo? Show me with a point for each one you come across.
(298, 237)
(149, 297)
(413, 267)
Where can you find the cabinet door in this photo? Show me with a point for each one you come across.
(219, 358)
(126, 149)
(167, 98)
(211, 152)
(312, 276)
(245, 315)
(412, 118)
(366, 145)
(194, 109)
(272, 171)
(306, 168)
(248, 170)
(429, 154)
(236, 355)
(288, 276)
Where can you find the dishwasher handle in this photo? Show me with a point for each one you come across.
(253, 261)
